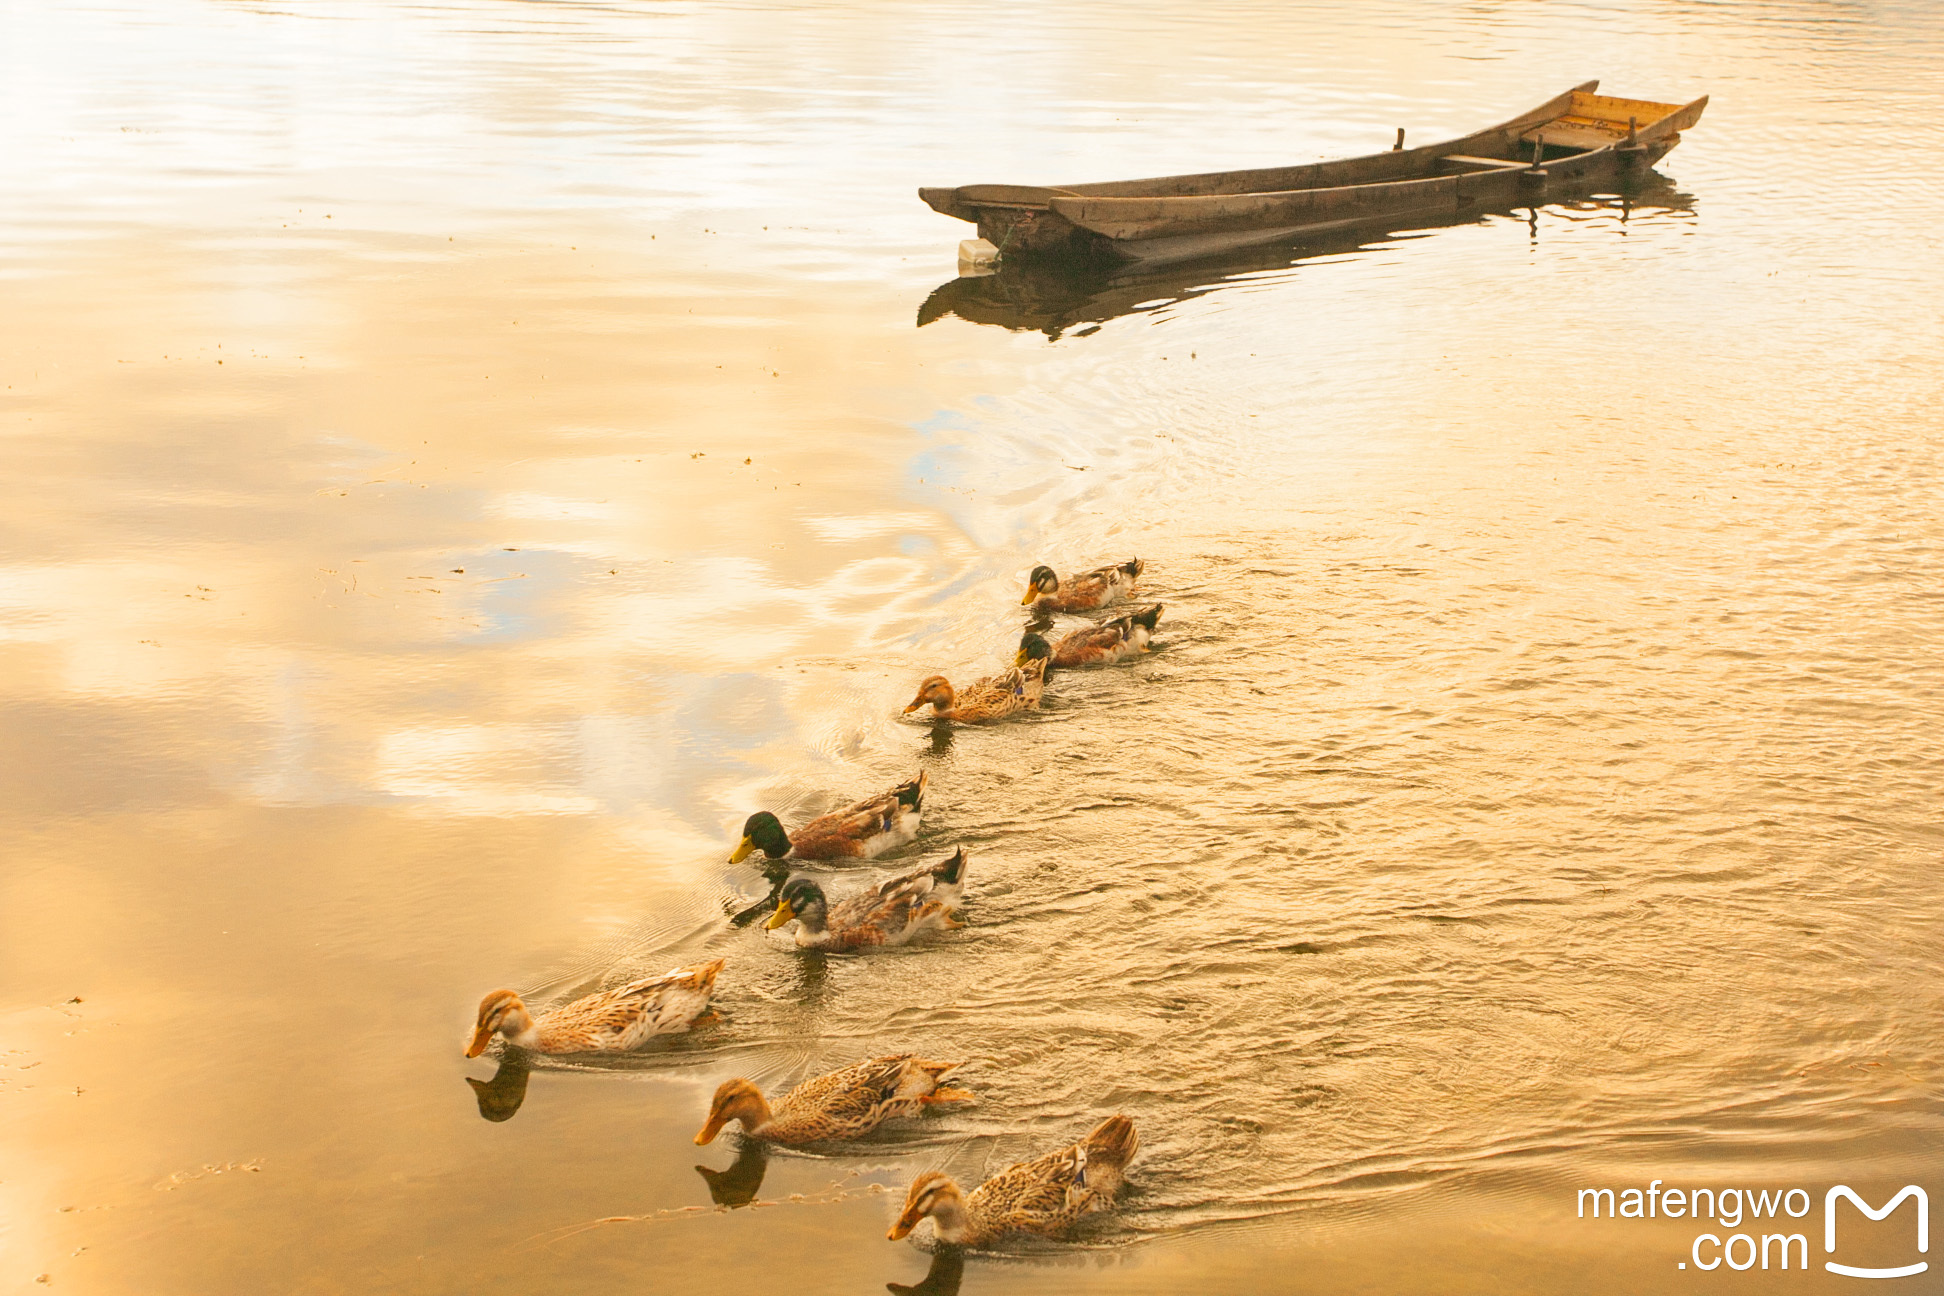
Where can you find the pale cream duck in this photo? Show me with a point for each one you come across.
(1004, 694)
(1046, 1196)
(613, 1021)
(845, 1104)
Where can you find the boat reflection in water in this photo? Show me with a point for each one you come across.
(501, 1096)
(739, 1184)
(1058, 299)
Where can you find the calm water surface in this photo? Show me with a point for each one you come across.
(459, 460)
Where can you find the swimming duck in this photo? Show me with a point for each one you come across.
(867, 829)
(612, 1021)
(845, 1104)
(888, 914)
(1044, 1196)
(988, 699)
(1083, 593)
(1116, 640)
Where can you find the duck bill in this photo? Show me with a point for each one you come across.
(741, 852)
(782, 915)
(482, 1036)
(1019, 658)
(902, 1228)
(914, 706)
(709, 1131)
(1032, 592)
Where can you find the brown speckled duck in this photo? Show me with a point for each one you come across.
(995, 698)
(1117, 640)
(862, 831)
(889, 914)
(1095, 589)
(845, 1104)
(613, 1021)
(1046, 1196)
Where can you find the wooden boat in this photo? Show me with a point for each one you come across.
(1578, 140)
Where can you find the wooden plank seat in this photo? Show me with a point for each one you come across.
(1481, 163)
(1577, 133)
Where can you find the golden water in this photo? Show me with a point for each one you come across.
(459, 460)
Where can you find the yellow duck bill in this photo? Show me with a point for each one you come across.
(782, 915)
(480, 1039)
(741, 852)
(1032, 592)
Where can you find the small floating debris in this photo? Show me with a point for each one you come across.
(977, 257)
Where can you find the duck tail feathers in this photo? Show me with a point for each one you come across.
(1113, 1142)
(951, 872)
(911, 794)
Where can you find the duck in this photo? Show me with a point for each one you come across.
(1111, 641)
(613, 1021)
(1001, 695)
(1083, 593)
(891, 913)
(1046, 1196)
(862, 831)
(844, 1104)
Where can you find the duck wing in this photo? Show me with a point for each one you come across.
(853, 1097)
(1052, 1191)
(1031, 1196)
(844, 832)
(615, 1018)
(1084, 647)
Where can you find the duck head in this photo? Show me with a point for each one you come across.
(1033, 647)
(761, 831)
(802, 900)
(502, 1012)
(937, 691)
(935, 1195)
(736, 1099)
(1040, 583)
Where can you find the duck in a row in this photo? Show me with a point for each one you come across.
(993, 698)
(610, 1021)
(1089, 591)
(862, 831)
(887, 914)
(846, 1104)
(1047, 1195)
(1099, 645)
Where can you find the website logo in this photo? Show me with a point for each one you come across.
(1842, 1191)
(1755, 1211)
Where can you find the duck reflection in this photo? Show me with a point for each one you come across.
(739, 1184)
(942, 1279)
(1058, 299)
(501, 1096)
(941, 737)
(767, 905)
